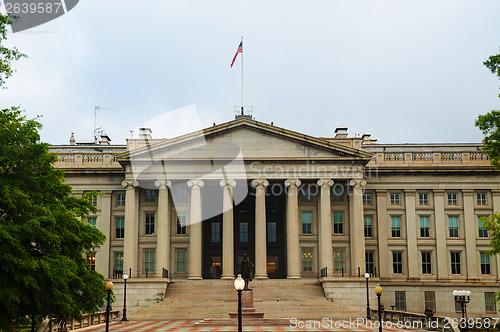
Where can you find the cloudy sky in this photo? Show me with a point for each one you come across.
(403, 70)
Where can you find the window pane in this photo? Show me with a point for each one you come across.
(306, 222)
(92, 222)
(397, 262)
(337, 223)
(307, 259)
(120, 228)
(149, 261)
(215, 232)
(400, 299)
(424, 227)
(338, 259)
(119, 261)
(150, 223)
(368, 226)
(271, 232)
(489, 301)
(430, 300)
(181, 261)
(455, 263)
(243, 232)
(181, 223)
(453, 226)
(396, 226)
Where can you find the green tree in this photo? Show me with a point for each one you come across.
(43, 271)
(489, 123)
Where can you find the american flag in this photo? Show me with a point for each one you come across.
(240, 49)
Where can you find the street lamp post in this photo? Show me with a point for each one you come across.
(124, 318)
(368, 314)
(378, 291)
(239, 285)
(462, 297)
(109, 288)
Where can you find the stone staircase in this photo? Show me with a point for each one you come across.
(277, 298)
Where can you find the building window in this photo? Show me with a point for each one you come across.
(92, 221)
(430, 300)
(489, 303)
(307, 260)
(337, 223)
(338, 259)
(397, 262)
(424, 227)
(120, 227)
(216, 232)
(337, 193)
(423, 199)
(426, 262)
(270, 206)
(453, 226)
(369, 261)
(149, 261)
(93, 200)
(150, 223)
(396, 226)
(120, 200)
(400, 300)
(181, 195)
(394, 199)
(485, 263)
(455, 263)
(181, 223)
(180, 260)
(367, 199)
(271, 232)
(305, 193)
(91, 261)
(243, 232)
(368, 226)
(150, 195)
(482, 231)
(452, 199)
(306, 222)
(481, 199)
(119, 262)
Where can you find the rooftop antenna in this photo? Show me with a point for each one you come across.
(97, 108)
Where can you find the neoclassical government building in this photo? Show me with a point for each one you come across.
(299, 206)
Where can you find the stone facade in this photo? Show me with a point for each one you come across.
(299, 206)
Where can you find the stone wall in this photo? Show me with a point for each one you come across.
(352, 292)
(140, 292)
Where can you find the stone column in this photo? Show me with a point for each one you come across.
(384, 258)
(357, 237)
(104, 225)
(227, 229)
(260, 229)
(442, 257)
(163, 227)
(411, 234)
(131, 239)
(195, 230)
(325, 226)
(496, 208)
(471, 226)
(292, 229)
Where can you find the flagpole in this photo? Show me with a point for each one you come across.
(241, 75)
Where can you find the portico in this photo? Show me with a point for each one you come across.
(232, 168)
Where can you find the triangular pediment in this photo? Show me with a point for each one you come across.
(249, 139)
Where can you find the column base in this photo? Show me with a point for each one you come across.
(195, 277)
(294, 276)
(261, 276)
(227, 277)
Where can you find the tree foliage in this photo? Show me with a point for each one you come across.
(7, 55)
(489, 123)
(43, 271)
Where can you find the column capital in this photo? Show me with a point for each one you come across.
(163, 184)
(410, 192)
(197, 183)
(357, 182)
(292, 183)
(438, 192)
(133, 183)
(325, 182)
(230, 183)
(381, 191)
(260, 182)
(495, 192)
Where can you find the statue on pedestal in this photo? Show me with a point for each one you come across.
(246, 270)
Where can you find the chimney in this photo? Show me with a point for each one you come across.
(145, 133)
(341, 132)
(72, 140)
(105, 140)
